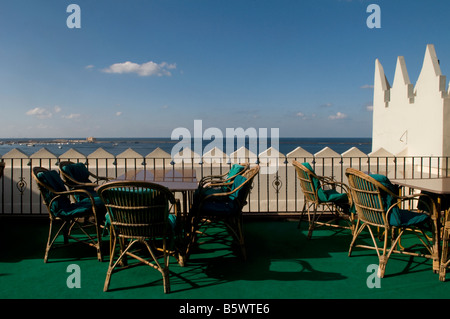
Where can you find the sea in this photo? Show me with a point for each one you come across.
(144, 146)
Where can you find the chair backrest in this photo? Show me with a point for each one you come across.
(74, 172)
(242, 185)
(309, 181)
(2, 167)
(237, 169)
(49, 183)
(137, 209)
(369, 197)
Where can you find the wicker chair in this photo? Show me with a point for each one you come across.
(2, 167)
(219, 206)
(77, 175)
(139, 213)
(321, 197)
(235, 170)
(378, 205)
(81, 215)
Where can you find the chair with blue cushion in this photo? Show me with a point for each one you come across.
(223, 206)
(79, 216)
(143, 225)
(326, 201)
(379, 206)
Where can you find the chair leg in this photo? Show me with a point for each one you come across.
(49, 241)
(444, 261)
(240, 233)
(311, 220)
(301, 215)
(356, 233)
(165, 273)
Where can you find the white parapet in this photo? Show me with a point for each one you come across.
(408, 119)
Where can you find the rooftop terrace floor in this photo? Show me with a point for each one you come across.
(281, 264)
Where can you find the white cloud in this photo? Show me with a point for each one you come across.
(39, 113)
(369, 108)
(145, 69)
(118, 113)
(338, 116)
(57, 109)
(301, 115)
(90, 66)
(72, 116)
(367, 86)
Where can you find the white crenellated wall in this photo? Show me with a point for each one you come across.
(412, 120)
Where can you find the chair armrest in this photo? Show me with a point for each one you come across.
(103, 178)
(334, 184)
(71, 192)
(400, 199)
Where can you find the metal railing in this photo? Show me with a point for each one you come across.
(276, 193)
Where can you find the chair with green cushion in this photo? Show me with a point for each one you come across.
(79, 216)
(2, 167)
(224, 179)
(141, 222)
(77, 175)
(223, 207)
(323, 203)
(380, 207)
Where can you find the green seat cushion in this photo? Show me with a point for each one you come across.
(398, 217)
(74, 210)
(238, 181)
(77, 171)
(235, 169)
(329, 195)
(61, 207)
(405, 218)
(219, 207)
(172, 220)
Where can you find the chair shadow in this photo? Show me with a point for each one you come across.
(272, 254)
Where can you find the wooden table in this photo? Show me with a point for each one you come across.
(439, 187)
(182, 180)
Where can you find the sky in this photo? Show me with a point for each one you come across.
(145, 68)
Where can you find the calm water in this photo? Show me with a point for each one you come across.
(144, 146)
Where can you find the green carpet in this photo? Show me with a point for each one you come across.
(281, 264)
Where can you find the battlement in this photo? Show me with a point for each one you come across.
(412, 120)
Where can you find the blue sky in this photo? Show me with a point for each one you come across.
(144, 68)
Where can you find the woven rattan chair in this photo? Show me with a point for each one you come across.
(225, 207)
(235, 170)
(77, 175)
(2, 167)
(139, 214)
(81, 215)
(321, 197)
(380, 207)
